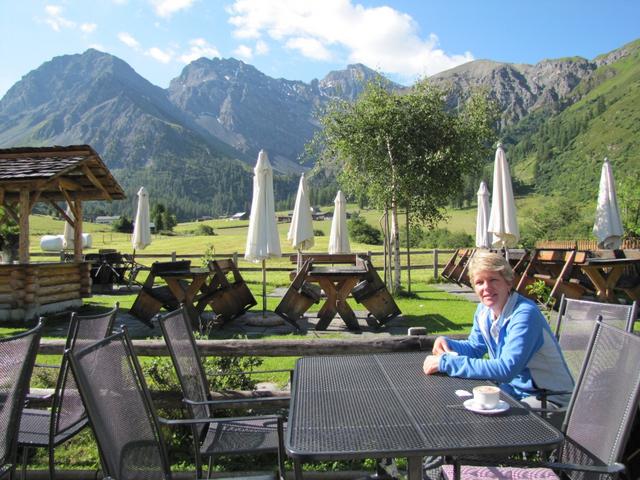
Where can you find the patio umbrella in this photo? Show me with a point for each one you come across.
(483, 237)
(608, 226)
(262, 238)
(339, 236)
(141, 236)
(502, 221)
(301, 230)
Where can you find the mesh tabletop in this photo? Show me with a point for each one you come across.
(375, 405)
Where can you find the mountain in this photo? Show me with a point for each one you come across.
(193, 145)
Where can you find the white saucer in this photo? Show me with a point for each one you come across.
(470, 404)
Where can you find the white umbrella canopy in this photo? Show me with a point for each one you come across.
(262, 238)
(141, 236)
(483, 237)
(339, 236)
(301, 230)
(503, 223)
(608, 226)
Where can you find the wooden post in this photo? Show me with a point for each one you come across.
(173, 256)
(23, 242)
(408, 253)
(435, 263)
(77, 231)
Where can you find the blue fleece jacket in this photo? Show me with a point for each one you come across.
(524, 359)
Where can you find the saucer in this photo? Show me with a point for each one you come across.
(502, 406)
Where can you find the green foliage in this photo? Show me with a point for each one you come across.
(629, 202)
(542, 292)
(557, 218)
(163, 219)
(443, 238)
(318, 233)
(206, 230)
(362, 232)
(123, 224)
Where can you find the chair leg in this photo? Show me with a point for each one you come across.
(52, 464)
(281, 469)
(209, 467)
(25, 452)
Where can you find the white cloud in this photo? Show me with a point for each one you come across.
(160, 55)
(199, 47)
(166, 8)
(309, 47)
(380, 37)
(243, 51)
(55, 19)
(261, 47)
(128, 40)
(88, 27)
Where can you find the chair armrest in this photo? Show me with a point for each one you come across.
(222, 404)
(196, 421)
(602, 469)
(252, 372)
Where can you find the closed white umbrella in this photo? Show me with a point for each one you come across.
(141, 236)
(608, 226)
(301, 230)
(483, 237)
(262, 238)
(503, 223)
(339, 236)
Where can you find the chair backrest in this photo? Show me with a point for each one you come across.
(17, 357)
(575, 323)
(68, 409)
(605, 400)
(178, 335)
(121, 414)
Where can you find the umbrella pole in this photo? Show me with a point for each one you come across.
(299, 262)
(264, 288)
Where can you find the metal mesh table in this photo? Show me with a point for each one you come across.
(372, 406)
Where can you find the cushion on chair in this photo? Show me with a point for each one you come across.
(499, 473)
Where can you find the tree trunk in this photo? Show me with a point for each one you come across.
(395, 231)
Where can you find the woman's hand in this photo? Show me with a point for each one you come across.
(440, 346)
(431, 364)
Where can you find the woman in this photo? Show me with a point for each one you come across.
(523, 355)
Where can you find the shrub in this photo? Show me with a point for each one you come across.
(318, 233)
(204, 230)
(362, 232)
(122, 225)
(443, 238)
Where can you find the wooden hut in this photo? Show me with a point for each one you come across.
(53, 175)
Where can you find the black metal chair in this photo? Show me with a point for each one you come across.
(575, 323)
(50, 427)
(599, 416)
(222, 436)
(17, 358)
(121, 413)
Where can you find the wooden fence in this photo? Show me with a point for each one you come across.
(628, 244)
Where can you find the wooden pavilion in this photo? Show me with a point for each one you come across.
(29, 175)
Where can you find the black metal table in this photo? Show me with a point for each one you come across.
(373, 406)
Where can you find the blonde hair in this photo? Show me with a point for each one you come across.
(494, 262)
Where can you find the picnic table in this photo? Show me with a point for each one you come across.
(383, 405)
(182, 285)
(607, 274)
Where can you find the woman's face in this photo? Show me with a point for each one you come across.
(492, 290)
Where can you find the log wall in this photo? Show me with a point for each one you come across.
(28, 290)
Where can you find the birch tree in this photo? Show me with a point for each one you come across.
(404, 150)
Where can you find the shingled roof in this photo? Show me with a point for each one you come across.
(76, 170)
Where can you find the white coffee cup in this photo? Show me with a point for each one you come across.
(486, 396)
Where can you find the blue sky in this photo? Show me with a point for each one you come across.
(305, 39)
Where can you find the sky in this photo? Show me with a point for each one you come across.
(306, 39)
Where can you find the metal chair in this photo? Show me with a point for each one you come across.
(50, 427)
(243, 435)
(121, 413)
(575, 323)
(17, 357)
(599, 416)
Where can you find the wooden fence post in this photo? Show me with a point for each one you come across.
(173, 256)
(435, 263)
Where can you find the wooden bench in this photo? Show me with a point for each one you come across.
(456, 268)
(152, 298)
(299, 297)
(373, 294)
(227, 293)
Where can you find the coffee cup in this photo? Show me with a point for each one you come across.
(486, 396)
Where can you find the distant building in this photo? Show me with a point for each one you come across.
(203, 218)
(240, 216)
(285, 218)
(106, 220)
